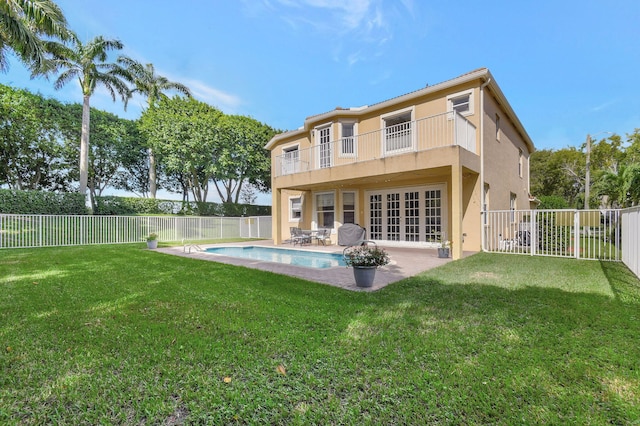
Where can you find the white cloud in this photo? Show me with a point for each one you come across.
(604, 106)
(226, 101)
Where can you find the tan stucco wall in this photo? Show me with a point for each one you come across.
(501, 160)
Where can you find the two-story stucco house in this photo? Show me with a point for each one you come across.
(413, 170)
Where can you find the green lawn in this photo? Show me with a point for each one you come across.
(124, 335)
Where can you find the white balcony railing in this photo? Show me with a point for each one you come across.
(437, 131)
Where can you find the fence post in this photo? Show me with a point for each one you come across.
(533, 237)
(576, 233)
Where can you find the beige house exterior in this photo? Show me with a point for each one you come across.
(414, 170)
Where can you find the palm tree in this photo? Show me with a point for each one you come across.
(86, 62)
(153, 86)
(22, 24)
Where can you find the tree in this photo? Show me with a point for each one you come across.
(620, 188)
(240, 157)
(30, 152)
(153, 86)
(607, 154)
(86, 62)
(183, 132)
(134, 172)
(23, 23)
(248, 194)
(559, 173)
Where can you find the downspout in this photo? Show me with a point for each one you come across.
(483, 217)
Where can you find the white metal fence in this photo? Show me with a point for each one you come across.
(631, 239)
(23, 231)
(580, 234)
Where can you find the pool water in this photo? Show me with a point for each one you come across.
(291, 257)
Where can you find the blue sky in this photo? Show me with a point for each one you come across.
(568, 68)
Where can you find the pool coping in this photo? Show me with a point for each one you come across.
(405, 263)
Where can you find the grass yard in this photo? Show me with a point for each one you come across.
(124, 335)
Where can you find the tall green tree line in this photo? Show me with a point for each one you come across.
(196, 145)
(558, 176)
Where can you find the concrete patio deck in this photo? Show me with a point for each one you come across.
(405, 262)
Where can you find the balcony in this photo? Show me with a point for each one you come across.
(448, 129)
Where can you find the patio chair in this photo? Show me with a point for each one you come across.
(323, 236)
(299, 237)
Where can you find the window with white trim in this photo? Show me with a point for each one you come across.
(520, 162)
(325, 209)
(295, 209)
(398, 131)
(347, 140)
(290, 160)
(348, 207)
(512, 206)
(461, 102)
(485, 206)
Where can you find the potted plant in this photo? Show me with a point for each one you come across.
(365, 260)
(152, 241)
(444, 249)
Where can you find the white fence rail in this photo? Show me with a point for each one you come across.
(580, 234)
(631, 239)
(23, 231)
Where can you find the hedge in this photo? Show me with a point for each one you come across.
(113, 205)
(41, 202)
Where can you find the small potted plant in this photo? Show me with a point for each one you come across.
(152, 241)
(444, 249)
(365, 260)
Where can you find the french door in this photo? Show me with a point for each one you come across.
(407, 214)
(324, 143)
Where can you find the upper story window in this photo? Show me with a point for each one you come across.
(290, 160)
(461, 102)
(347, 139)
(398, 131)
(498, 128)
(520, 162)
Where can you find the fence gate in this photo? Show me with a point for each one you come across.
(580, 234)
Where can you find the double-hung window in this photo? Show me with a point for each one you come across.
(512, 206)
(461, 102)
(295, 209)
(348, 207)
(325, 209)
(347, 140)
(520, 163)
(398, 134)
(290, 160)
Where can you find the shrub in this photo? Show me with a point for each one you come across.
(41, 202)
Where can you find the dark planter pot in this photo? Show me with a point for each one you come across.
(153, 244)
(443, 252)
(364, 275)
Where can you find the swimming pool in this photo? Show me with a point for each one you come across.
(307, 259)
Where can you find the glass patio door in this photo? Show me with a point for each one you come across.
(324, 142)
